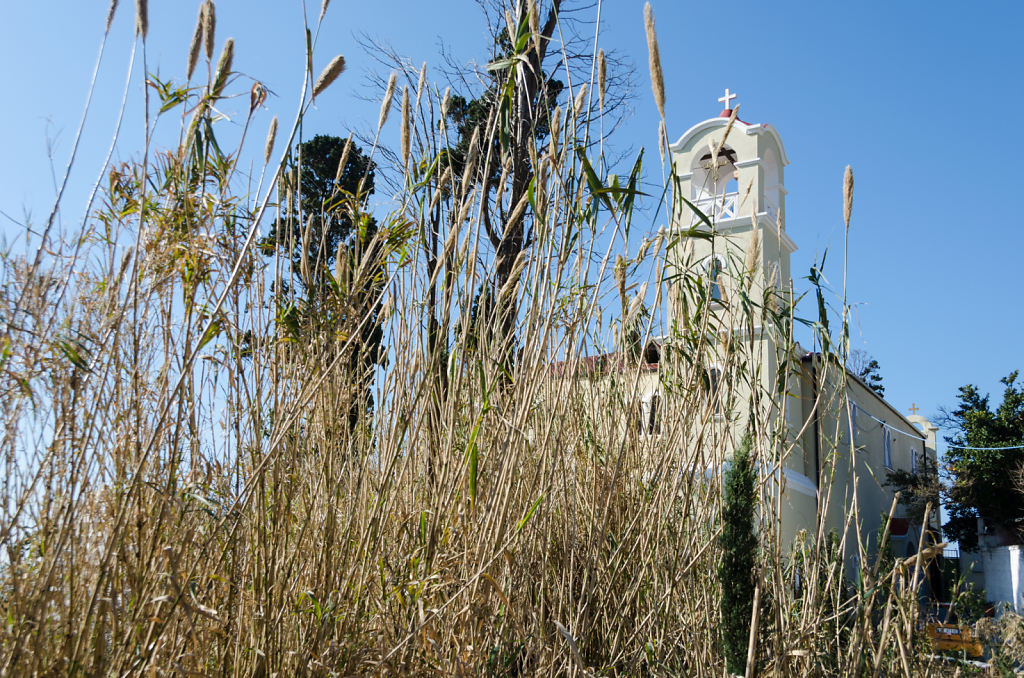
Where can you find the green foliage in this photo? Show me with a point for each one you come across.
(327, 203)
(985, 483)
(871, 375)
(968, 604)
(330, 220)
(739, 553)
(918, 489)
(516, 105)
(885, 558)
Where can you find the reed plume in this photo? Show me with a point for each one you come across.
(753, 259)
(209, 27)
(446, 102)
(343, 161)
(421, 83)
(307, 238)
(385, 104)
(111, 11)
(406, 122)
(227, 56)
(654, 60)
(581, 95)
(329, 75)
(141, 17)
(196, 44)
(268, 147)
(847, 195)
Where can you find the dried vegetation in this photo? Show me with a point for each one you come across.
(187, 491)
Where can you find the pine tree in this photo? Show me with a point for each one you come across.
(739, 552)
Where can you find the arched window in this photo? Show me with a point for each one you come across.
(652, 353)
(713, 267)
(712, 382)
(887, 448)
(714, 185)
(716, 286)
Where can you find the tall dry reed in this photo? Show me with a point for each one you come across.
(197, 480)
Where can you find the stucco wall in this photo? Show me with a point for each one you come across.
(1003, 571)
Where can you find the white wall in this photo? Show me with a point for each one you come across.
(1003, 570)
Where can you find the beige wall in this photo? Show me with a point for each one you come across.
(855, 463)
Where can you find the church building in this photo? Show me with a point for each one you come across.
(841, 436)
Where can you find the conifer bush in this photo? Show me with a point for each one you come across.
(737, 574)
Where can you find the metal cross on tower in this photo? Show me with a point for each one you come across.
(727, 99)
(914, 409)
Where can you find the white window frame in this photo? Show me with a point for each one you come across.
(649, 427)
(886, 447)
(716, 281)
(714, 372)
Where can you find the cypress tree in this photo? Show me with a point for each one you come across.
(739, 552)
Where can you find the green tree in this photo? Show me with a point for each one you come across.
(337, 262)
(324, 213)
(739, 555)
(985, 483)
(507, 119)
(867, 370)
(917, 489)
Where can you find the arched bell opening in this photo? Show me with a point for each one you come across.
(715, 184)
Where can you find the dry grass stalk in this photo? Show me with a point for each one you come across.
(224, 64)
(329, 75)
(847, 195)
(198, 479)
(343, 160)
(111, 11)
(654, 60)
(662, 139)
(472, 152)
(209, 13)
(341, 264)
(307, 238)
(446, 102)
(421, 83)
(581, 96)
(196, 44)
(716, 151)
(753, 260)
(533, 14)
(385, 104)
(142, 17)
(268, 147)
(602, 74)
(406, 125)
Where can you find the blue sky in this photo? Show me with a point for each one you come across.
(920, 98)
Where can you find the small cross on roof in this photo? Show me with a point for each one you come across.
(727, 99)
(914, 409)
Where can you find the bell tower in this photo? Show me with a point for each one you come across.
(732, 171)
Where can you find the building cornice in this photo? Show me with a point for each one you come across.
(744, 127)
